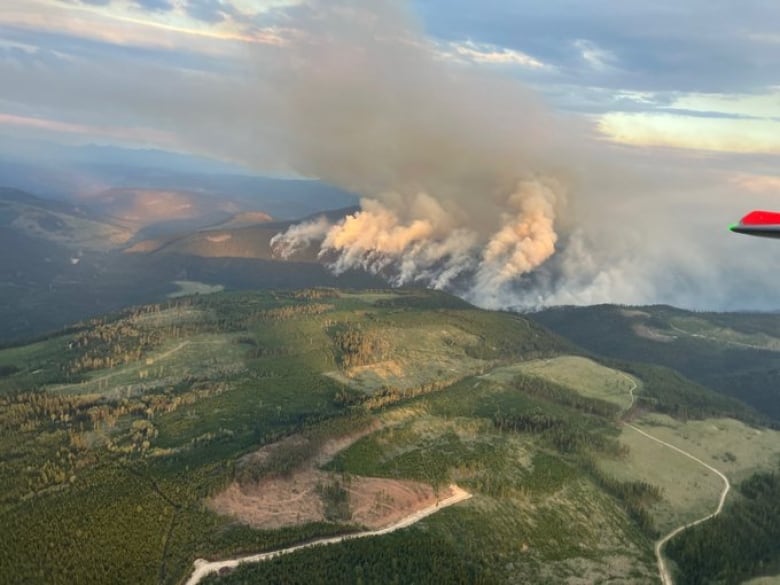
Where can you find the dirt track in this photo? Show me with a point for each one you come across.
(663, 569)
(204, 568)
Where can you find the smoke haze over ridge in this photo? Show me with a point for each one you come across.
(468, 180)
(469, 183)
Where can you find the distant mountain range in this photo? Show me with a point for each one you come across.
(91, 174)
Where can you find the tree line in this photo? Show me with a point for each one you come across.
(742, 542)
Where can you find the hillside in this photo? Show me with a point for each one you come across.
(737, 354)
(234, 423)
(241, 236)
(244, 241)
(63, 262)
(150, 212)
(59, 223)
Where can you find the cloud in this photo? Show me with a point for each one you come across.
(155, 5)
(121, 29)
(211, 11)
(131, 135)
(757, 183)
(758, 105)
(594, 56)
(694, 132)
(152, 5)
(482, 53)
(657, 47)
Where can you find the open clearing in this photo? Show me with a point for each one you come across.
(666, 577)
(204, 568)
(689, 489)
(773, 580)
(295, 498)
(200, 356)
(735, 448)
(681, 458)
(192, 287)
(577, 373)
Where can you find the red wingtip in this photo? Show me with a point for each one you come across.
(761, 218)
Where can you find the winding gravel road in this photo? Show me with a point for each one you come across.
(663, 569)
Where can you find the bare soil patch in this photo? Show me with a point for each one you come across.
(642, 330)
(275, 501)
(374, 502)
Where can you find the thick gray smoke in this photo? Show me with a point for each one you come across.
(467, 181)
(458, 169)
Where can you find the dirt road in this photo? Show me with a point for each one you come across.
(203, 567)
(723, 341)
(663, 569)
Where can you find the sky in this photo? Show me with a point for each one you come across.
(695, 74)
(677, 102)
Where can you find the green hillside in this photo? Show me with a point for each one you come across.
(737, 354)
(113, 432)
(122, 436)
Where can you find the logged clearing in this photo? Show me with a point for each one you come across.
(577, 373)
(370, 297)
(703, 329)
(652, 334)
(277, 502)
(204, 356)
(297, 498)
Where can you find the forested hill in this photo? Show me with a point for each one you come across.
(113, 431)
(219, 425)
(736, 354)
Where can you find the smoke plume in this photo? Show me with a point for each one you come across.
(467, 181)
(455, 167)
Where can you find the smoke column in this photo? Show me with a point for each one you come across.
(456, 168)
(467, 181)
